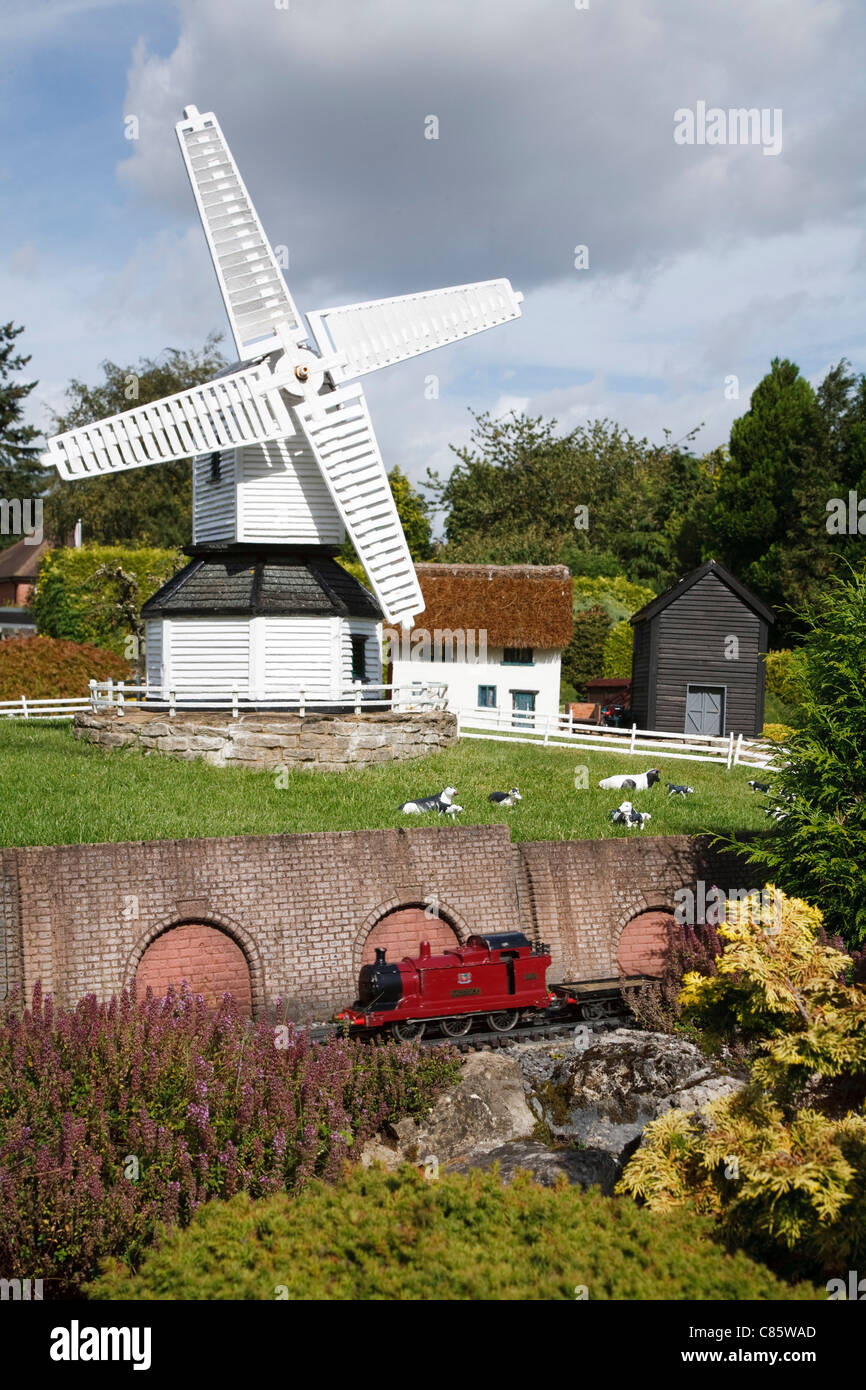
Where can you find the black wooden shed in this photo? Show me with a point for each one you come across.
(698, 657)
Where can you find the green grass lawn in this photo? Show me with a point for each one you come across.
(56, 790)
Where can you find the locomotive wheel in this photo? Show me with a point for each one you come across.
(455, 1027)
(407, 1030)
(503, 1022)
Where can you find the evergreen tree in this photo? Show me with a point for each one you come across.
(817, 847)
(21, 476)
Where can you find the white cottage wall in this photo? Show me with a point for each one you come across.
(464, 677)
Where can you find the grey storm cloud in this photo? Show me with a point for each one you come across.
(555, 129)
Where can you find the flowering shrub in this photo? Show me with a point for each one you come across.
(117, 1117)
(397, 1236)
(43, 668)
(657, 1006)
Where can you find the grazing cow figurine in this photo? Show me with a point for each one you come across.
(625, 814)
(423, 804)
(676, 789)
(636, 781)
(505, 798)
(760, 786)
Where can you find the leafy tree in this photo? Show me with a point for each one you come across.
(583, 658)
(618, 651)
(782, 1164)
(817, 847)
(94, 594)
(21, 476)
(149, 506)
(595, 499)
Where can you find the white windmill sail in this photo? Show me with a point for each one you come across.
(281, 383)
(222, 414)
(384, 331)
(340, 433)
(250, 279)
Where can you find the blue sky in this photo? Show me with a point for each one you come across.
(556, 129)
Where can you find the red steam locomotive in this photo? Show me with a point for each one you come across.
(498, 978)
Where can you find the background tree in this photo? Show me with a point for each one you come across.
(817, 849)
(143, 506)
(583, 658)
(791, 452)
(21, 475)
(595, 499)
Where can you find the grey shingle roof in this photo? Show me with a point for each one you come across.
(254, 582)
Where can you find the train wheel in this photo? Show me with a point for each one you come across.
(407, 1030)
(456, 1027)
(502, 1023)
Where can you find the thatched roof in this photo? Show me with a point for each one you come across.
(517, 605)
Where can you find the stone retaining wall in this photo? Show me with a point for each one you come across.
(323, 742)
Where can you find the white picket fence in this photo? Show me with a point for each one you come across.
(360, 697)
(25, 708)
(562, 731)
(513, 726)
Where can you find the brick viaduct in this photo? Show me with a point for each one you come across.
(292, 917)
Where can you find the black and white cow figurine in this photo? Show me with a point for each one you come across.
(760, 786)
(505, 798)
(677, 789)
(635, 781)
(625, 814)
(442, 802)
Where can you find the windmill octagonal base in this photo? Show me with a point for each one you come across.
(316, 742)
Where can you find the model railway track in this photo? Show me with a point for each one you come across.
(529, 1032)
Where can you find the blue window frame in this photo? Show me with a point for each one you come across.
(487, 697)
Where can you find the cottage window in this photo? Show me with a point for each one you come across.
(359, 658)
(518, 656)
(487, 697)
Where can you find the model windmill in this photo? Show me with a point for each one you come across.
(285, 464)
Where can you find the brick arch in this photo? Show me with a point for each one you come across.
(237, 936)
(210, 962)
(400, 924)
(643, 943)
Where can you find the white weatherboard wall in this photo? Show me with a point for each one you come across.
(464, 677)
(213, 499)
(270, 492)
(282, 496)
(265, 657)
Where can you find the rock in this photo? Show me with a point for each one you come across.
(485, 1109)
(581, 1167)
(603, 1088)
(624, 1073)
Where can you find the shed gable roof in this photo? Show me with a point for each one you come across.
(712, 567)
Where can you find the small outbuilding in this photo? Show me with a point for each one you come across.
(698, 657)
